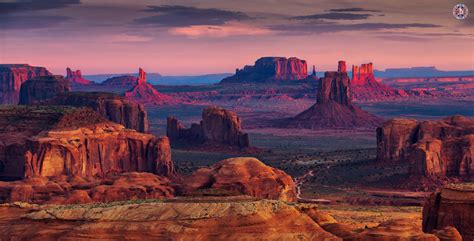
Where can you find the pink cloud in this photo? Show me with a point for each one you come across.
(227, 30)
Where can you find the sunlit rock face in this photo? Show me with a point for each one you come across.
(271, 69)
(53, 141)
(334, 108)
(12, 76)
(76, 77)
(143, 92)
(218, 127)
(42, 88)
(434, 149)
(244, 176)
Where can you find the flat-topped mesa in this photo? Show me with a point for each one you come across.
(42, 88)
(111, 106)
(334, 108)
(76, 77)
(121, 81)
(53, 141)
(362, 75)
(271, 69)
(218, 127)
(12, 76)
(434, 149)
(144, 92)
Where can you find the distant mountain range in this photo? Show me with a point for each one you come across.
(158, 79)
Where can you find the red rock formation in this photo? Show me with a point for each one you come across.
(12, 76)
(111, 106)
(122, 81)
(75, 190)
(334, 108)
(434, 149)
(246, 176)
(452, 205)
(42, 88)
(341, 66)
(271, 69)
(362, 75)
(54, 141)
(76, 77)
(218, 127)
(144, 92)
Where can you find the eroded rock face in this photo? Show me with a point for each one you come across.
(111, 106)
(398, 230)
(54, 141)
(12, 76)
(218, 127)
(144, 92)
(366, 87)
(452, 205)
(42, 88)
(334, 108)
(271, 69)
(435, 149)
(76, 77)
(79, 190)
(126, 80)
(246, 176)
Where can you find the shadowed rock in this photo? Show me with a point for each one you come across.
(12, 76)
(218, 127)
(42, 88)
(121, 81)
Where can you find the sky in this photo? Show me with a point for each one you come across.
(190, 37)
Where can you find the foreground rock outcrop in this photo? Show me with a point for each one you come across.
(54, 141)
(42, 88)
(76, 77)
(434, 149)
(192, 219)
(144, 92)
(111, 106)
(12, 76)
(334, 108)
(218, 127)
(245, 176)
(80, 190)
(271, 69)
(452, 205)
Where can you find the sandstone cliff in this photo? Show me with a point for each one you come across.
(435, 149)
(452, 205)
(244, 176)
(334, 108)
(111, 106)
(271, 69)
(76, 77)
(12, 76)
(144, 92)
(54, 141)
(42, 88)
(122, 81)
(218, 127)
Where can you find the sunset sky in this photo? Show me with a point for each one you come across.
(184, 37)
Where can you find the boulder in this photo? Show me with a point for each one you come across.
(42, 88)
(218, 127)
(111, 106)
(451, 205)
(12, 76)
(54, 141)
(271, 69)
(244, 175)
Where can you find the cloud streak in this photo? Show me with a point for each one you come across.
(334, 16)
(34, 5)
(184, 16)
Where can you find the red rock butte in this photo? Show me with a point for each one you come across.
(271, 69)
(12, 76)
(144, 92)
(43, 88)
(76, 77)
